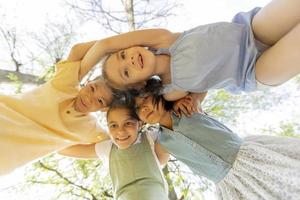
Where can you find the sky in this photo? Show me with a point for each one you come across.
(32, 14)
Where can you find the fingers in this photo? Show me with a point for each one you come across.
(185, 107)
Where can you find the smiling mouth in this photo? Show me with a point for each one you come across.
(82, 103)
(141, 61)
(123, 139)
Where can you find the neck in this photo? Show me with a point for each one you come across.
(163, 68)
(166, 120)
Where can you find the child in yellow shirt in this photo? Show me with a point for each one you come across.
(54, 115)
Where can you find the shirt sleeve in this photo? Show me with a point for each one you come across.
(66, 77)
(153, 132)
(102, 150)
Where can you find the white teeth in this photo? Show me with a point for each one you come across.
(124, 138)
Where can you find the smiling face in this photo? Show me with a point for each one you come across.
(123, 128)
(130, 66)
(94, 96)
(148, 111)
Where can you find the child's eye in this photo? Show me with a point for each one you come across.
(112, 126)
(93, 89)
(122, 54)
(126, 73)
(100, 101)
(129, 123)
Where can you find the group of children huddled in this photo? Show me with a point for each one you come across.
(154, 76)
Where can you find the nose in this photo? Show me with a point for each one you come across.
(87, 99)
(130, 61)
(121, 130)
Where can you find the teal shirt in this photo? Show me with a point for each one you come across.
(205, 145)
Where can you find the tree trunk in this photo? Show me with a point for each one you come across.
(128, 4)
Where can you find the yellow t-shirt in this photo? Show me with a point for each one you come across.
(43, 120)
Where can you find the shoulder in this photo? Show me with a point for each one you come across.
(196, 121)
(201, 122)
(103, 148)
(152, 132)
(66, 76)
(67, 65)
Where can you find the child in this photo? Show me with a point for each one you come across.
(260, 47)
(131, 155)
(54, 115)
(254, 168)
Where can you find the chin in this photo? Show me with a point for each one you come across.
(123, 147)
(152, 121)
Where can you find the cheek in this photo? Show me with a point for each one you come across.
(141, 115)
(111, 132)
(133, 131)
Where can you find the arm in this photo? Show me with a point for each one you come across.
(162, 155)
(198, 99)
(90, 53)
(77, 53)
(175, 95)
(80, 151)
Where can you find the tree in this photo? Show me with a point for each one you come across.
(86, 179)
(124, 15)
(52, 44)
(72, 178)
(12, 41)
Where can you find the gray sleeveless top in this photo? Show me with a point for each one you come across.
(135, 174)
(214, 56)
(205, 145)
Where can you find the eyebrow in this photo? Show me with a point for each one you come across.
(111, 122)
(128, 118)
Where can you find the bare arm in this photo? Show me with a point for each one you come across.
(175, 95)
(199, 96)
(77, 53)
(90, 53)
(80, 151)
(198, 99)
(163, 155)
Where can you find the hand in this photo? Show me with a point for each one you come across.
(188, 105)
(184, 106)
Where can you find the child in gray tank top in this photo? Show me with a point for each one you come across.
(133, 157)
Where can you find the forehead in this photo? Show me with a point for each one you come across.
(101, 86)
(113, 69)
(144, 99)
(118, 114)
